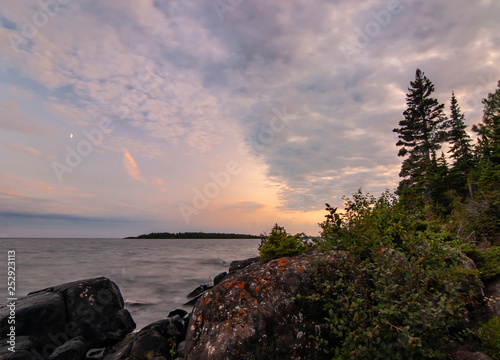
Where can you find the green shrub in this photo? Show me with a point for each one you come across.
(487, 261)
(392, 305)
(280, 244)
(489, 334)
(400, 292)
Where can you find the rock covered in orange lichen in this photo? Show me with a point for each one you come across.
(251, 314)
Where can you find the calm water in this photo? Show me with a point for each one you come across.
(154, 276)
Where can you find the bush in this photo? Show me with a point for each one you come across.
(393, 305)
(280, 244)
(400, 291)
(489, 334)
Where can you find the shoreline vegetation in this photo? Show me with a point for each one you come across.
(193, 235)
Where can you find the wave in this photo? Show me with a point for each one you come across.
(137, 303)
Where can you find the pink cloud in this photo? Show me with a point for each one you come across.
(131, 165)
(22, 149)
(12, 119)
(21, 93)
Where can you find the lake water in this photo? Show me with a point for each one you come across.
(154, 275)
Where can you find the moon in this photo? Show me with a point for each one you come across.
(71, 136)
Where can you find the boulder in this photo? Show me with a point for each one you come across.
(73, 349)
(96, 308)
(241, 264)
(252, 315)
(39, 316)
(150, 344)
(96, 354)
(181, 312)
(219, 277)
(160, 339)
(122, 350)
(24, 347)
(64, 321)
(199, 290)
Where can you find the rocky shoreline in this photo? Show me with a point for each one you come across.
(249, 312)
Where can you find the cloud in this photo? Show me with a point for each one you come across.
(131, 165)
(21, 148)
(73, 115)
(14, 215)
(244, 207)
(21, 93)
(12, 119)
(187, 90)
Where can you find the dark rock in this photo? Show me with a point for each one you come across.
(251, 314)
(20, 355)
(193, 301)
(122, 323)
(95, 354)
(467, 355)
(199, 290)
(24, 347)
(150, 344)
(160, 326)
(241, 264)
(96, 307)
(38, 315)
(180, 312)
(218, 278)
(173, 327)
(122, 350)
(154, 340)
(177, 329)
(73, 349)
(181, 347)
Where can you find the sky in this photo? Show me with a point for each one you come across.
(123, 117)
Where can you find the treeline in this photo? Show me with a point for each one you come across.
(192, 235)
(462, 187)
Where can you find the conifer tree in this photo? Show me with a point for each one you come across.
(421, 133)
(489, 130)
(486, 175)
(460, 149)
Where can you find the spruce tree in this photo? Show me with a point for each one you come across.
(421, 133)
(486, 175)
(460, 149)
(489, 130)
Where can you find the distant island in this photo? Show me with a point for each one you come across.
(192, 235)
